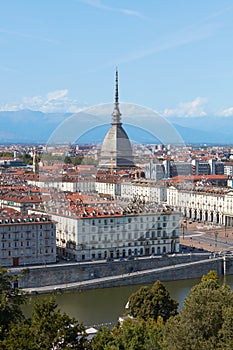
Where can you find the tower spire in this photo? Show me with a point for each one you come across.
(116, 88)
(116, 114)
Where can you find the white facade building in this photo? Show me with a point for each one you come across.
(26, 239)
(83, 186)
(203, 204)
(115, 233)
(111, 188)
(148, 190)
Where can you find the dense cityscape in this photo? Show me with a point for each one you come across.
(116, 175)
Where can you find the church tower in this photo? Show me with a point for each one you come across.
(116, 151)
(35, 165)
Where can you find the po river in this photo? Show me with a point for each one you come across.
(104, 306)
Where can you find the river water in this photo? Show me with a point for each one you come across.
(104, 306)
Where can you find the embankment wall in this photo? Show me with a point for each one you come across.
(124, 272)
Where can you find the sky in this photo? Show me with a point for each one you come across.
(175, 57)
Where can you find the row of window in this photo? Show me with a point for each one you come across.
(32, 253)
(25, 234)
(127, 252)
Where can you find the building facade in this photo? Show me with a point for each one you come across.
(148, 190)
(203, 204)
(117, 236)
(26, 239)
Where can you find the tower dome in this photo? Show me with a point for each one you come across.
(116, 150)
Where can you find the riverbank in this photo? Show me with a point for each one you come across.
(169, 273)
(93, 275)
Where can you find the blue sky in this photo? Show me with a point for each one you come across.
(175, 57)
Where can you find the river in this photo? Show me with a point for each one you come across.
(104, 306)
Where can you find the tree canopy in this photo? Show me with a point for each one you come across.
(152, 303)
(11, 300)
(205, 320)
(133, 334)
(48, 328)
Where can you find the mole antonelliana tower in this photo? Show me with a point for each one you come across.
(116, 151)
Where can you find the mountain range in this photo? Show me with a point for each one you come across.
(27, 126)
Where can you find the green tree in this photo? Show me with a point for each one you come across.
(26, 158)
(53, 329)
(152, 303)
(132, 334)
(20, 336)
(203, 322)
(102, 338)
(212, 275)
(67, 160)
(47, 329)
(11, 300)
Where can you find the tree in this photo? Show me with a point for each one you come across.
(212, 275)
(203, 322)
(26, 158)
(47, 329)
(132, 334)
(152, 303)
(55, 330)
(103, 337)
(11, 300)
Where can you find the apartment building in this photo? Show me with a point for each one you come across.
(98, 229)
(210, 204)
(26, 239)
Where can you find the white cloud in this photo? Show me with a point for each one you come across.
(100, 5)
(55, 101)
(227, 112)
(56, 95)
(194, 108)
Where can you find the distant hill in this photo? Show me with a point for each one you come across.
(28, 126)
(207, 129)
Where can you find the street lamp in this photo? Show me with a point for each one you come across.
(182, 227)
(216, 236)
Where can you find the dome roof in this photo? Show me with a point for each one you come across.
(116, 149)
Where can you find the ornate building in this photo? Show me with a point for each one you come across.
(116, 151)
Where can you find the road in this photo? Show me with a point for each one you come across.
(213, 238)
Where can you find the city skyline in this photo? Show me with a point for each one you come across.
(174, 58)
